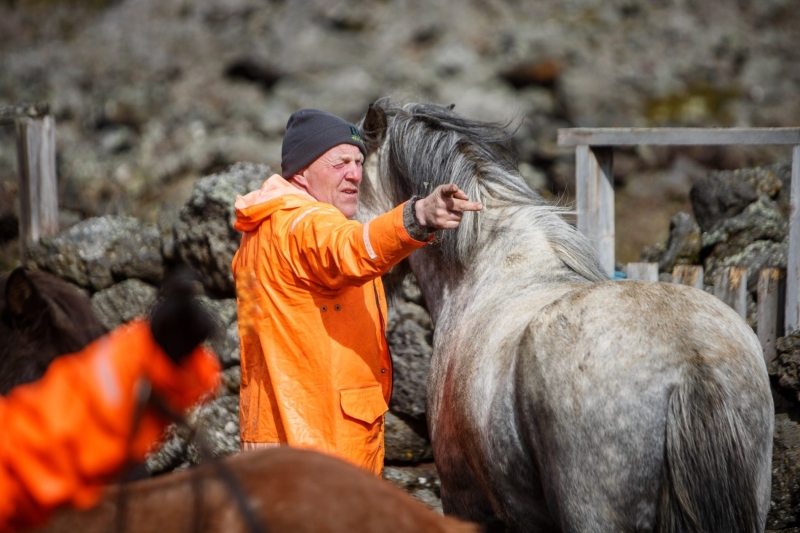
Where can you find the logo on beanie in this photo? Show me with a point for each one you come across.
(354, 134)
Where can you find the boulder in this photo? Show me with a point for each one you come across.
(217, 422)
(123, 302)
(682, 248)
(759, 221)
(785, 498)
(785, 368)
(410, 337)
(204, 234)
(225, 342)
(98, 252)
(727, 193)
(421, 481)
(403, 444)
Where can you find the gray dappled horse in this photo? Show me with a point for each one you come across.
(559, 400)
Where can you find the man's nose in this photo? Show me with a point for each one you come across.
(353, 172)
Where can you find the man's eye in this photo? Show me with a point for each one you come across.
(359, 163)
(338, 165)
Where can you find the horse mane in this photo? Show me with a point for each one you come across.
(427, 145)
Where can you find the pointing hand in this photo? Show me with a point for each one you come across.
(444, 207)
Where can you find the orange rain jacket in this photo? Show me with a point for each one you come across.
(316, 371)
(65, 436)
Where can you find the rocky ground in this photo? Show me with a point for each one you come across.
(149, 95)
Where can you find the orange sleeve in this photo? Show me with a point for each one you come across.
(326, 249)
(66, 435)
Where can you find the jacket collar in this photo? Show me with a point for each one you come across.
(276, 193)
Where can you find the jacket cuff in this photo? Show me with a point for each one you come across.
(415, 230)
(409, 228)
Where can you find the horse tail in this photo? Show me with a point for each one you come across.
(715, 459)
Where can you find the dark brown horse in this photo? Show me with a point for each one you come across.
(285, 490)
(290, 491)
(41, 317)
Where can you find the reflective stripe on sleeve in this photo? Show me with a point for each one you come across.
(368, 243)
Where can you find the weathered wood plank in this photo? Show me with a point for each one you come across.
(676, 136)
(595, 197)
(792, 319)
(36, 164)
(770, 310)
(643, 271)
(730, 286)
(691, 275)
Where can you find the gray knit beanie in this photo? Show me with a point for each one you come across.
(309, 134)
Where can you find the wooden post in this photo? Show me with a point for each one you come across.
(730, 286)
(770, 309)
(792, 318)
(36, 163)
(691, 275)
(594, 188)
(643, 271)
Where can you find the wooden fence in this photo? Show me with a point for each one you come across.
(595, 193)
(36, 165)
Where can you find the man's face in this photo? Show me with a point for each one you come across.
(334, 178)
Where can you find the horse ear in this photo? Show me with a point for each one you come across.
(451, 107)
(24, 304)
(374, 126)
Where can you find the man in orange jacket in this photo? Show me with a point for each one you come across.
(316, 370)
(65, 436)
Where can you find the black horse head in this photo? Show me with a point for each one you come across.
(41, 317)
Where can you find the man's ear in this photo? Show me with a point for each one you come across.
(300, 179)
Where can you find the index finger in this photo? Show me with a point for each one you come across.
(467, 206)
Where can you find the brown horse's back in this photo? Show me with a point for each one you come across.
(291, 491)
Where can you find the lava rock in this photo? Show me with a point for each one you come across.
(403, 444)
(421, 481)
(410, 337)
(727, 193)
(785, 497)
(204, 234)
(99, 252)
(761, 220)
(785, 368)
(225, 342)
(123, 302)
(682, 248)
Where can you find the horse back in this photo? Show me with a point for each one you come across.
(289, 490)
(597, 372)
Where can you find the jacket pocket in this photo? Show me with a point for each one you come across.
(365, 404)
(360, 430)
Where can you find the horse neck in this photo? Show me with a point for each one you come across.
(511, 258)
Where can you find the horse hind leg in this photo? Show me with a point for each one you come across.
(471, 505)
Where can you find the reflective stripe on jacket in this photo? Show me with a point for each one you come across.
(316, 371)
(65, 436)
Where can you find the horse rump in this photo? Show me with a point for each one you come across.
(718, 448)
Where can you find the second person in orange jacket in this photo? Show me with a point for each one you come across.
(316, 369)
(66, 435)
